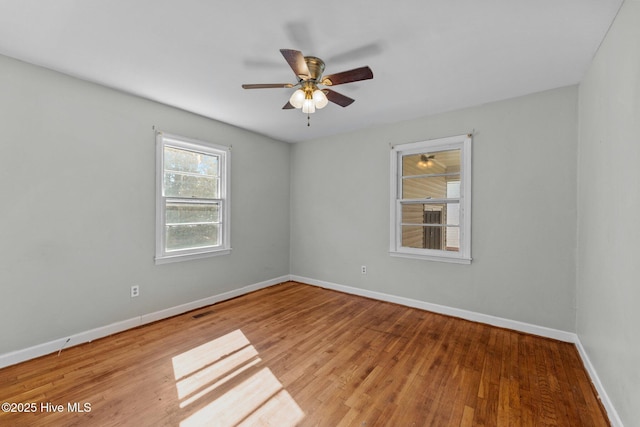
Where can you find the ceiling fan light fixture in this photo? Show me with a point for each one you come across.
(425, 161)
(297, 98)
(308, 106)
(320, 99)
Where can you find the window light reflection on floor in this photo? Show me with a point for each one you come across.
(221, 383)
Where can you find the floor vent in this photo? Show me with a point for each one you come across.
(205, 313)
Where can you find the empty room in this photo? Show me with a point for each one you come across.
(410, 213)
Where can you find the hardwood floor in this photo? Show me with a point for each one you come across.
(294, 354)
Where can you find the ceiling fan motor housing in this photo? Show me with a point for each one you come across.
(316, 67)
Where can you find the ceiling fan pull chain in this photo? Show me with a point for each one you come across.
(308, 120)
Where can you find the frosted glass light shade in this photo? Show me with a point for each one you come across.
(308, 106)
(320, 99)
(297, 98)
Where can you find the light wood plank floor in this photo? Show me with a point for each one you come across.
(294, 354)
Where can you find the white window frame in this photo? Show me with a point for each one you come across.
(462, 142)
(224, 153)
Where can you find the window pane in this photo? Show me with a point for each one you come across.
(190, 174)
(181, 160)
(431, 237)
(182, 185)
(413, 236)
(418, 169)
(431, 213)
(431, 162)
(185, 213)
(192, 225)
(192, 236)
(434, 187)
(421, 227)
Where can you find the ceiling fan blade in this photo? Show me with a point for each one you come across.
(296, 61)
(267, 85)
(338, 98)
(357, 74)
(288, 106)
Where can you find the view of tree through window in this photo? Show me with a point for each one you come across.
(191, 175)
(192, 198)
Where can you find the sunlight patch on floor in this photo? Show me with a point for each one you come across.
(199, 357)
(217, 373)
(220, 383)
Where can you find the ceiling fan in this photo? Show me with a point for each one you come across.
(426, 161)
(308, 70)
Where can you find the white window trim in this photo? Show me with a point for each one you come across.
(162, 139)
(463, 256)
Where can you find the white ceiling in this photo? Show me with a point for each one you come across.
(427, 56)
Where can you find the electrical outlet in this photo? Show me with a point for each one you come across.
(363, 269)
(135, 291)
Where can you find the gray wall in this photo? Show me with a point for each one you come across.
(608, 274)
(524, 210)
(78, 213)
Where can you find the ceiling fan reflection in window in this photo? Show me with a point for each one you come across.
(308, 70)
(426, 161)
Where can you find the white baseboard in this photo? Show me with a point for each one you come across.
(450, 311)
(14, 357)
(173, 311)
(614, 418)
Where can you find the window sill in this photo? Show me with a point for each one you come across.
(453, 260)
(187, 257)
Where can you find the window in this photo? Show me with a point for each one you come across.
(192, 199)
(431, 200)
